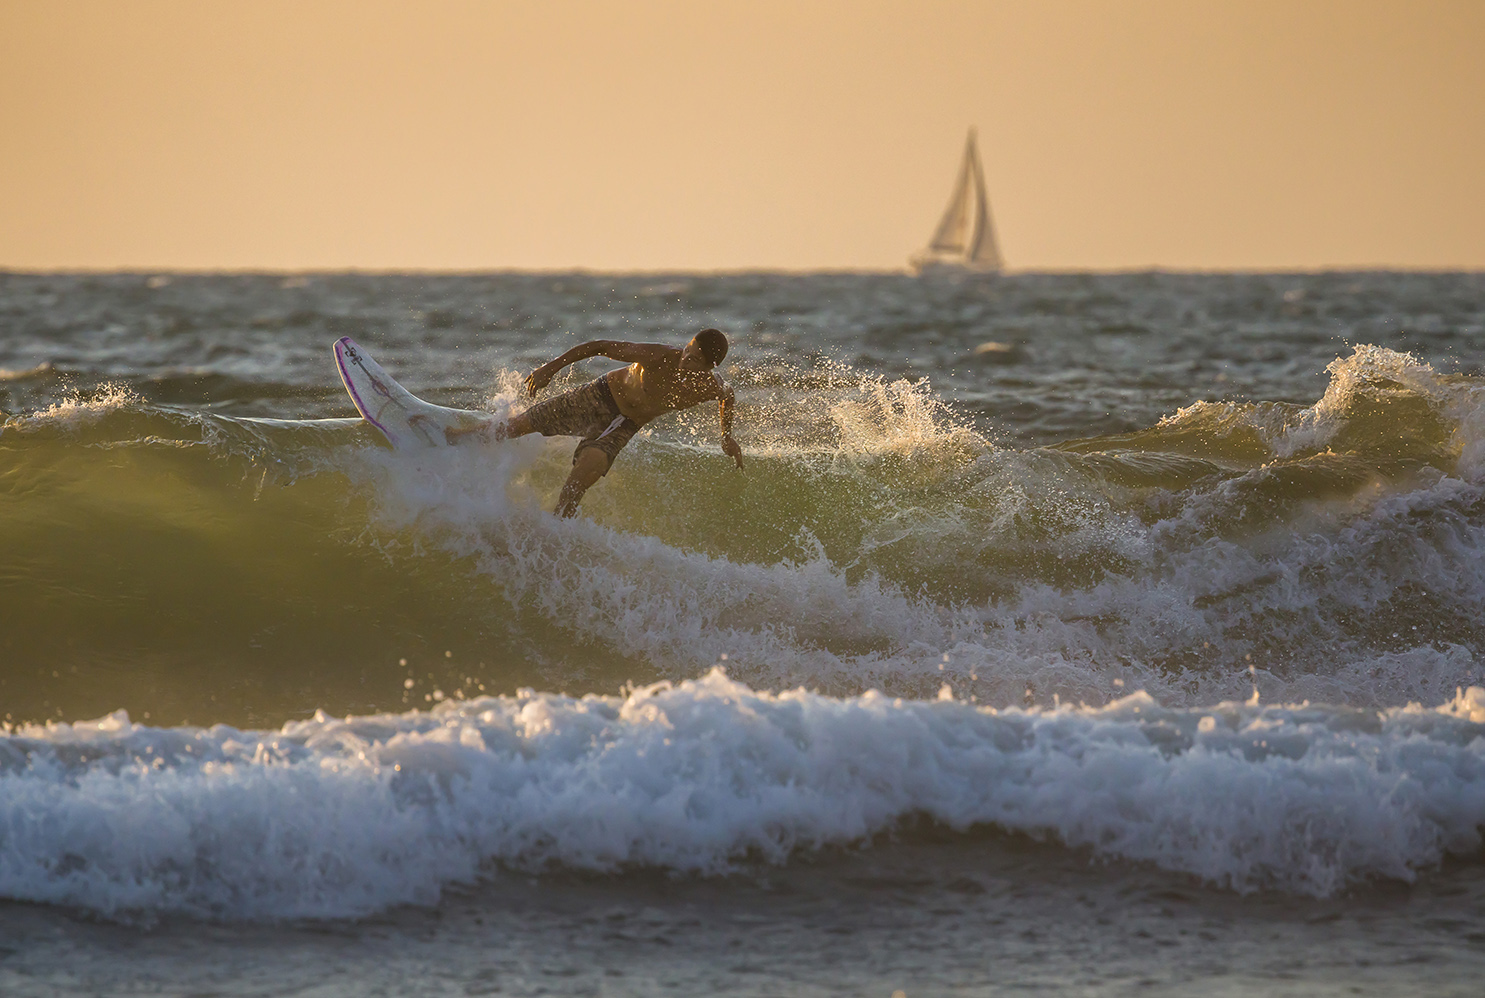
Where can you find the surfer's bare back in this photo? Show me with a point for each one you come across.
(607, 412)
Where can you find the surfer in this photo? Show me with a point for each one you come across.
(608, 411)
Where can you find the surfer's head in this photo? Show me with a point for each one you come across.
(710, 344)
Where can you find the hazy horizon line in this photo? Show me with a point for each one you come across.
(146, 271)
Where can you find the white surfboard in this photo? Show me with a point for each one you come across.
(403, 418)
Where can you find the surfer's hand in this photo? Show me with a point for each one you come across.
(731, 449)
(540, 378)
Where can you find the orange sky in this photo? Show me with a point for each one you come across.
(700, 135)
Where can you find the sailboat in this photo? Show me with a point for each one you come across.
(965, 238)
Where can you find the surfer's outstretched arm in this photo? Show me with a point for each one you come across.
(620, 350)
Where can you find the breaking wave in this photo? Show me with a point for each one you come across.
(329, 817)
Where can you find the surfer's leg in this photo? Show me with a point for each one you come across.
(516, 426)
(590, 465)
(570, 414)
(593, 458)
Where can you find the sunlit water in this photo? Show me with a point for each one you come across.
(1084, 633)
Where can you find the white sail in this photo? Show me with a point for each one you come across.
(954, 229)
(965, 237)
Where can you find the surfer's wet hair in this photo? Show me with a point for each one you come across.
(713, 345)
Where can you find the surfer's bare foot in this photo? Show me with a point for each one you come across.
(424, 424)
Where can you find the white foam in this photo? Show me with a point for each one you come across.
(75, 412)
(343, 817)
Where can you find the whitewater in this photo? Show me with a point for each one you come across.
(330, 818)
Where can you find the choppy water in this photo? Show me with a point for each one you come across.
(1181, 578)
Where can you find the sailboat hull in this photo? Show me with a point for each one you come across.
(930, 267)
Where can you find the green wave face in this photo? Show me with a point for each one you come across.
(193, 567)
(185, 565)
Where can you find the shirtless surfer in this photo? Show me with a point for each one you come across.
(607, 412)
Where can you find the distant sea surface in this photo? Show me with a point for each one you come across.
(1073, 633)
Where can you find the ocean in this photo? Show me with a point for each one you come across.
(1064, 633)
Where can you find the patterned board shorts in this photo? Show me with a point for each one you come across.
(589, 412)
